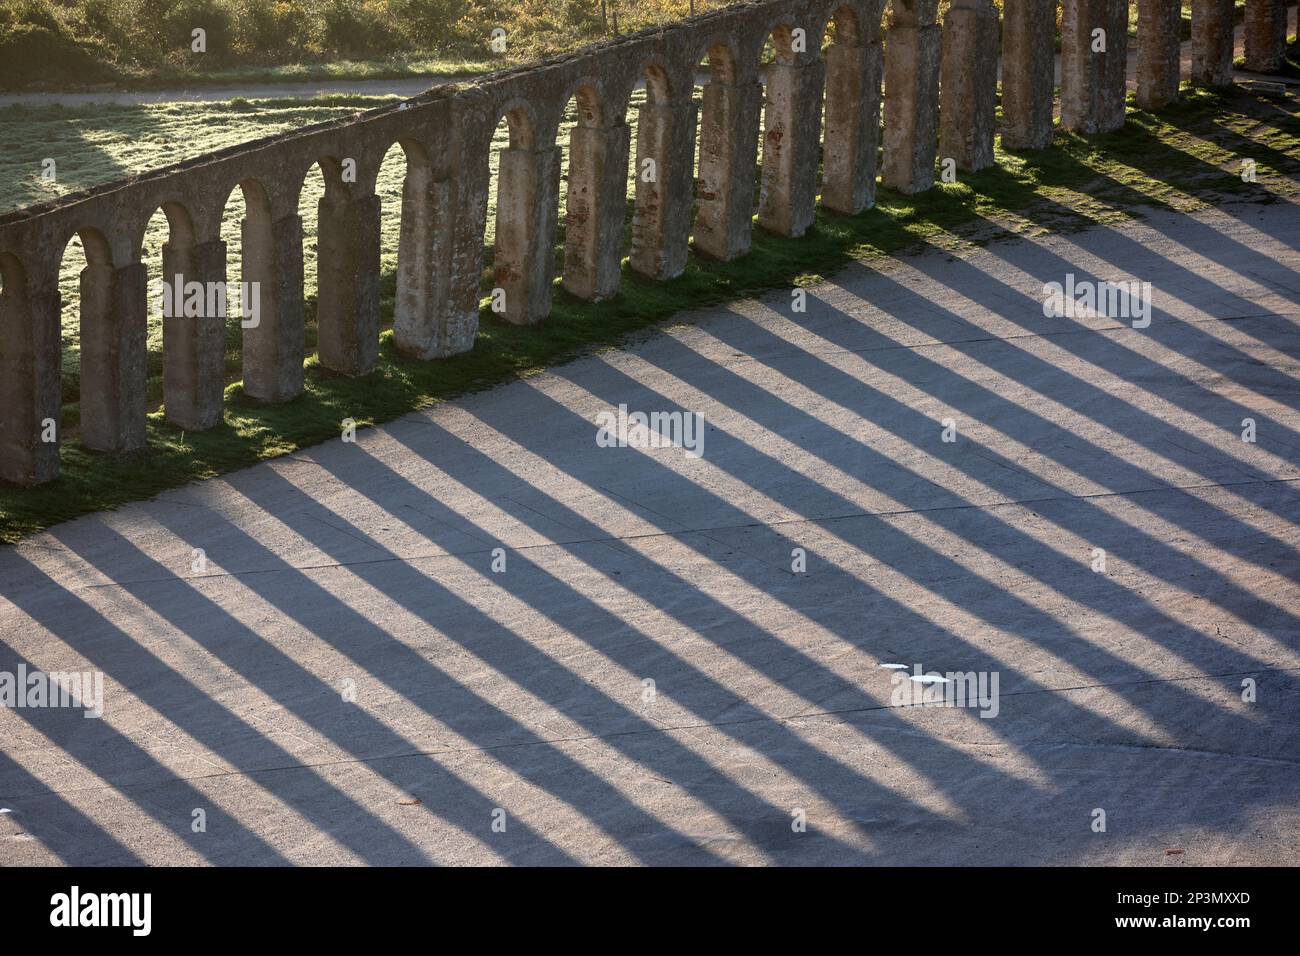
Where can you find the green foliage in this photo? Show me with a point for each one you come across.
(51, 42)
(37, 47)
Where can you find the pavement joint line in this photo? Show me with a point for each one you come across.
(705, 725)
(411, 559)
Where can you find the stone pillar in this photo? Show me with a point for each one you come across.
(465, 193)
(528, 184)
(30, 387)
(1028, 73)
(852, 123)
(595, 209)
(1093, 65)
(274, 339)
(347, 281)
(1212, 42)
(422, 301)
(1265, 35)
(969, 84)
(1158, 54)
(114, 319)
(194, 346)
(788, 191)
(728, 152)
(911, 105)
(661, 224)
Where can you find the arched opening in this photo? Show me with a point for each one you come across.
(391, 183)
(315, 185)
(156, 235)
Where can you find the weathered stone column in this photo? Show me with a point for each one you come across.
(528, 184)
(788, 191)
(194, 346)
(661, 224)
(1028, 73)
(595, 209)
(728, 153)
(347, 281)
(1093, 64)
(1265, 35)
(852, 123)
(1158, 54)
(30, 387)
(1212, 42)
(422, 302)
(114, 319)
(274, 338)
(912, 54)
(467, 190)
(969, 84)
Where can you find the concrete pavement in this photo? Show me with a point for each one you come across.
(352, 672)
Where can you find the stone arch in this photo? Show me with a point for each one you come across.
(846, 19)
(522, 122)
(780, 31)
(659, 87)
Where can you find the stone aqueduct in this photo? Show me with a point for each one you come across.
(939, 94)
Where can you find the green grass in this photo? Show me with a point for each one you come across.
(1185, 158)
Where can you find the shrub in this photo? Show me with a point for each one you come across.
(357, 28)
(36, 48)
